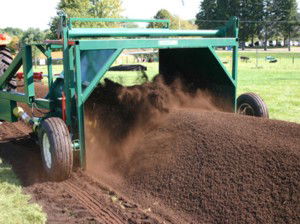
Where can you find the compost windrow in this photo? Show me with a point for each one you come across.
(174, 153)
(117, 117)
(180, 163)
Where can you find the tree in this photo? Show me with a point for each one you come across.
(106, 8)
(33, 36)
(285, 11)
(87, 9)
(161, 14)
(13, 31)
(214, 13)
(53, 28)
(14, 45)
(251, 12)
(208, 13)
(75, 8)
(15, 34)
(262, 18)
(176, 21)
(228, 8)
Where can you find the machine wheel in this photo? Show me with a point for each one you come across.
(56, 148)
(251, 104)
(5, 61)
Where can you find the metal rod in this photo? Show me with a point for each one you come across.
(120, 20)
(126, 32)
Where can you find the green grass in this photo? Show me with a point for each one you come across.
(15, 206)
(278, 84)
(264, 54)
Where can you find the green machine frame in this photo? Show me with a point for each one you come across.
(88, 53)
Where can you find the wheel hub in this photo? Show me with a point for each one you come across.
(246, 109)
(46, 151)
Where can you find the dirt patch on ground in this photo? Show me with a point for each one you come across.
(80, 199)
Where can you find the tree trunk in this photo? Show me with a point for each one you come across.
(266, 38)
(243, 45)
(289, 40)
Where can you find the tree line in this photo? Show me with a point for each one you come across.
(262, 19)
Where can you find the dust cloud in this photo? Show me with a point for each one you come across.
(117, 118)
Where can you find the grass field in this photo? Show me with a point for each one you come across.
(278, 84)
(14, 204)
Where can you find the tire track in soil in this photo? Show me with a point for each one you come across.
(102, 213)
(99, 201)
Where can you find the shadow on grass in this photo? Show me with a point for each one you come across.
(7, 175)
(23, 156)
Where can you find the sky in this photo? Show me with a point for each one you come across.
(37, 13)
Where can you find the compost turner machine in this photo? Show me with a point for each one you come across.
(88, 53)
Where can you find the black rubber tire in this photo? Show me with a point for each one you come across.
(5, 61)
(60, 148)
(251, 104)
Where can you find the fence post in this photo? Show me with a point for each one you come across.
(289, 39)
(266, 37)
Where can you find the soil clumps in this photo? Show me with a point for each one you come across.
(190, 162)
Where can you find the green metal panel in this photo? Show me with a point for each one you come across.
(156, 43)
(49, 67)
(55, 46)
(68, 76)
(6, 110)
(19, 97)
(110, 60)
(80, 108)
(225, 71)
(235, 60)
(92, 61)
(43, 104)
(28, 73)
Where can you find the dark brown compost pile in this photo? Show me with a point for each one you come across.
(190, 163)
(219, 168)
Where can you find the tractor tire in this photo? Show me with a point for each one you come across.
(251, 104)
(56, 148)
(5, 61)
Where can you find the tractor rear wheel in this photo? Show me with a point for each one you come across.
(5, 61)
(251, 104)
(56, 148)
